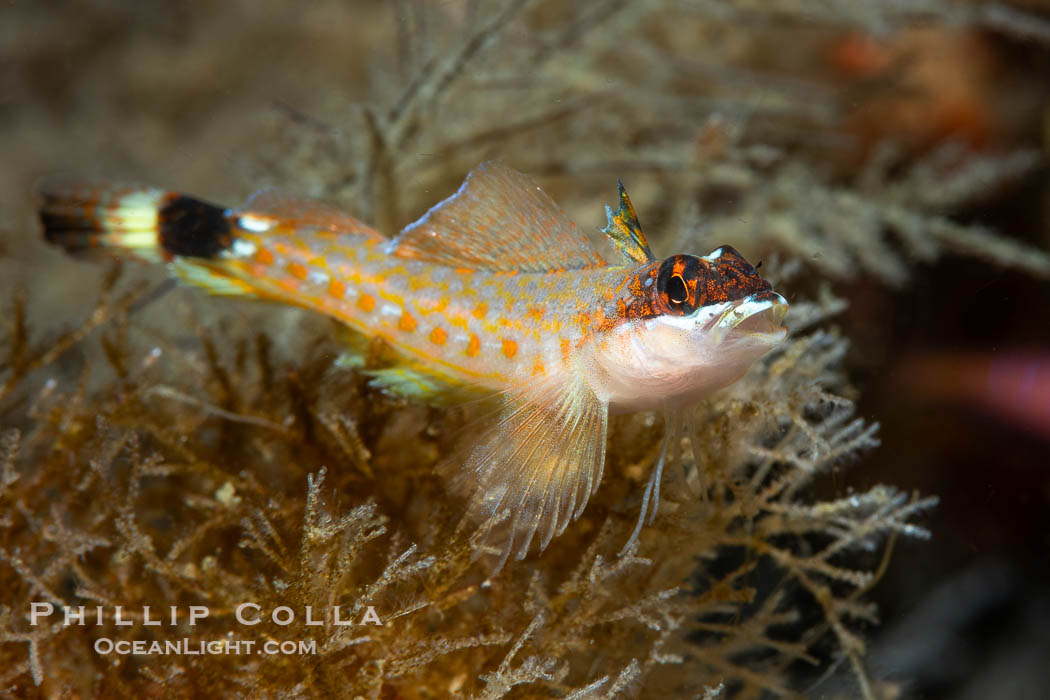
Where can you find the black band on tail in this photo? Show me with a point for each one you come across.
(193, 228)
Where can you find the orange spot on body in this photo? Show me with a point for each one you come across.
(473, 346)
(336, 289)
(297, 270)
(538, 368)
(481, 310)
(291, 286)
(406, 323)
(566, 348)
(263, 256)
(366, 302)
(510, 348)
(438, 336)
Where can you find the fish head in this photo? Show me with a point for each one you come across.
(686, 326)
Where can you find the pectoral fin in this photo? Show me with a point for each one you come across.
(534, 471)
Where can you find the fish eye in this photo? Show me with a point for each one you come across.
(677, 292)
(676, 284)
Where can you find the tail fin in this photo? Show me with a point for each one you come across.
(139, 222)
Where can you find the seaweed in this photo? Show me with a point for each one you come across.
(225, 476)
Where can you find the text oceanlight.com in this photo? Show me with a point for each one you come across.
(247, 614)
(197, 647)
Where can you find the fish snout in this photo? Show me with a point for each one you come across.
(759, 316)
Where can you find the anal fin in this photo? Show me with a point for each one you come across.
(408, 382)
(215, 277)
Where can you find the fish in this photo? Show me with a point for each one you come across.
(492, 291)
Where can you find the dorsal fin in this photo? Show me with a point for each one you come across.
(302, 211)
(498, 220)
(625, 231)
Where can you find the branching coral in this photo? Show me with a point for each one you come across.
(139, 496)
(842, 230)
(646, 87)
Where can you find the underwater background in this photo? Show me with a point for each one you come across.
(872, 520)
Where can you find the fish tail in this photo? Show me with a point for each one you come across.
(133, 222)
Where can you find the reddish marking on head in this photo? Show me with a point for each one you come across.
(406, 322)
(473, 346)
(682, 283)
(366, 302)
(635, 285)
(438, 336)
(606, 323)
(263, 256)
(510, 348)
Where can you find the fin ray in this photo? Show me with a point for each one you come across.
(532, 473)
(303, 211)
(140, 222)
(214, 278)
(498, 220)
(625, 231)
(408, 382)
(101, 220)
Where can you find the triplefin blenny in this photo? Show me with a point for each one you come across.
(493, 289)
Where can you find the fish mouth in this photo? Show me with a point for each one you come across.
(757, 317)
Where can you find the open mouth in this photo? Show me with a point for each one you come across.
(757, 316)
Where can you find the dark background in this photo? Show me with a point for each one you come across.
(200, 96)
